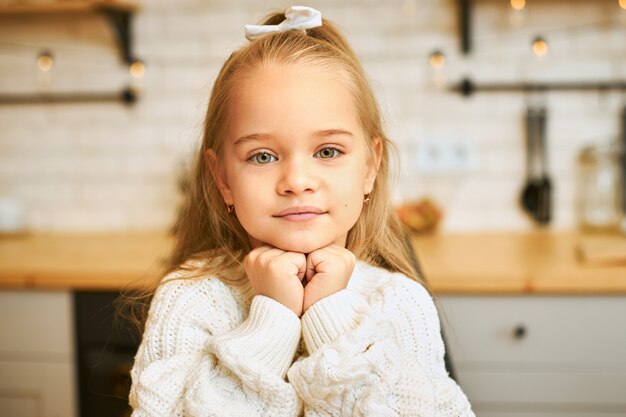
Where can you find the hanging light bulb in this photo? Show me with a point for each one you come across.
(518, 4)
(517, 14)
(540, 46)
(437, 60)
(622, 4)
(137, 69)
(45, 61)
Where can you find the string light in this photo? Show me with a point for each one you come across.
(540, 46)
(520, 4)
(137, 69)
(437, 60)
(622, 4)
(45, 61)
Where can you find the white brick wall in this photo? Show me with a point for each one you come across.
(107, 166)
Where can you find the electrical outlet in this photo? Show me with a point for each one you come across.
(445, 156)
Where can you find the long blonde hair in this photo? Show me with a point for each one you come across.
(204, 230)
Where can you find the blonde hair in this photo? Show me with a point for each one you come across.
(204, 229)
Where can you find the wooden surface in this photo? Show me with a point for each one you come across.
(81, 261)
(535, 262)
(470, 263)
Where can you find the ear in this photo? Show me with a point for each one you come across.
(373, 163)
(217, 171)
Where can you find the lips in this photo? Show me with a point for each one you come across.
(300, 210)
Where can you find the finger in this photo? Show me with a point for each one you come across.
(297, 259)
(310, 267)
(269, 253)
(254, 253)
(251, 260)
(302, 268)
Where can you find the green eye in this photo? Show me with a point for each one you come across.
(262, 158)
(328, 153)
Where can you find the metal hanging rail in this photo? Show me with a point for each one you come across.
(467, 87)
(127, 96)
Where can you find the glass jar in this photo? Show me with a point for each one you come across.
(600, 204)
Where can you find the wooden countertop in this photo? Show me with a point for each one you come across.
(84, 261)
(463, 263)
(535, 262)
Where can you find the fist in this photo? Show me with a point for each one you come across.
(277, 274)
(328, 271)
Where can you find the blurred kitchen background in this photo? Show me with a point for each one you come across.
(509, 119)
(109, 166)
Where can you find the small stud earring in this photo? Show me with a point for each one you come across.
(229, 208)
(367, 198)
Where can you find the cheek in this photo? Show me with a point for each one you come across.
(352, 181)
(351, 198)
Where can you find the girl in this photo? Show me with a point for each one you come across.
(288, 231)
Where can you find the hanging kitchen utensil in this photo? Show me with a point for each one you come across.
(623, 146)
(529, 196)
(536, 198)
(543, 212)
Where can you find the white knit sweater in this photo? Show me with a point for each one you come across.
(373, 349)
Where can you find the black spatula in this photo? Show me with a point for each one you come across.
(543, 211)
(529, 193)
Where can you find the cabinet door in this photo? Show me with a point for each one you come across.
(541, 353)
(37, 371)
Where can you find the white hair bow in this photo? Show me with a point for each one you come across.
(296, 17)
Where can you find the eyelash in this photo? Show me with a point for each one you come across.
(338, 153)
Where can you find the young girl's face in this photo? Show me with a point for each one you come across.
(296, 164)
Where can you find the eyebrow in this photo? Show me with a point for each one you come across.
(318, 134)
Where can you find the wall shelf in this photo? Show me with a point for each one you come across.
(465, 10)
(118, 13)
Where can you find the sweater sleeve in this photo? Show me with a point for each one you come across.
(195, 360)
(383, 357)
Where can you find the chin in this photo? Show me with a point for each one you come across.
(300, 246)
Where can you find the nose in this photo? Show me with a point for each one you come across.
(297, 176)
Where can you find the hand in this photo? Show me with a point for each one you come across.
(328, 271)
(277, 274)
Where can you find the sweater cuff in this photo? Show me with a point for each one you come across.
(268, 338)
(331, 317)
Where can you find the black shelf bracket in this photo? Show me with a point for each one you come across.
(467, 87)
(465, 25)
(121, 21)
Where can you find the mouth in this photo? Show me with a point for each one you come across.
(300, 213)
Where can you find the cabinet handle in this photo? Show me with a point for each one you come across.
(519, 332)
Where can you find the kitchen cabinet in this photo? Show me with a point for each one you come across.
(537, 355)
(531, 330)
(37, 366)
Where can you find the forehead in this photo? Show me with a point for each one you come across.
(278, 98)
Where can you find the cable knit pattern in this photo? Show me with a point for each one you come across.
(372, 349)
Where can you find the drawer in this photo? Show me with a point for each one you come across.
(569, 332)
(36, 322)
(524, 412)
(22, 404)
(599, 390)
(49, 388)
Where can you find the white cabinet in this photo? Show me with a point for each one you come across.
(37, 366)
(538, 356)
